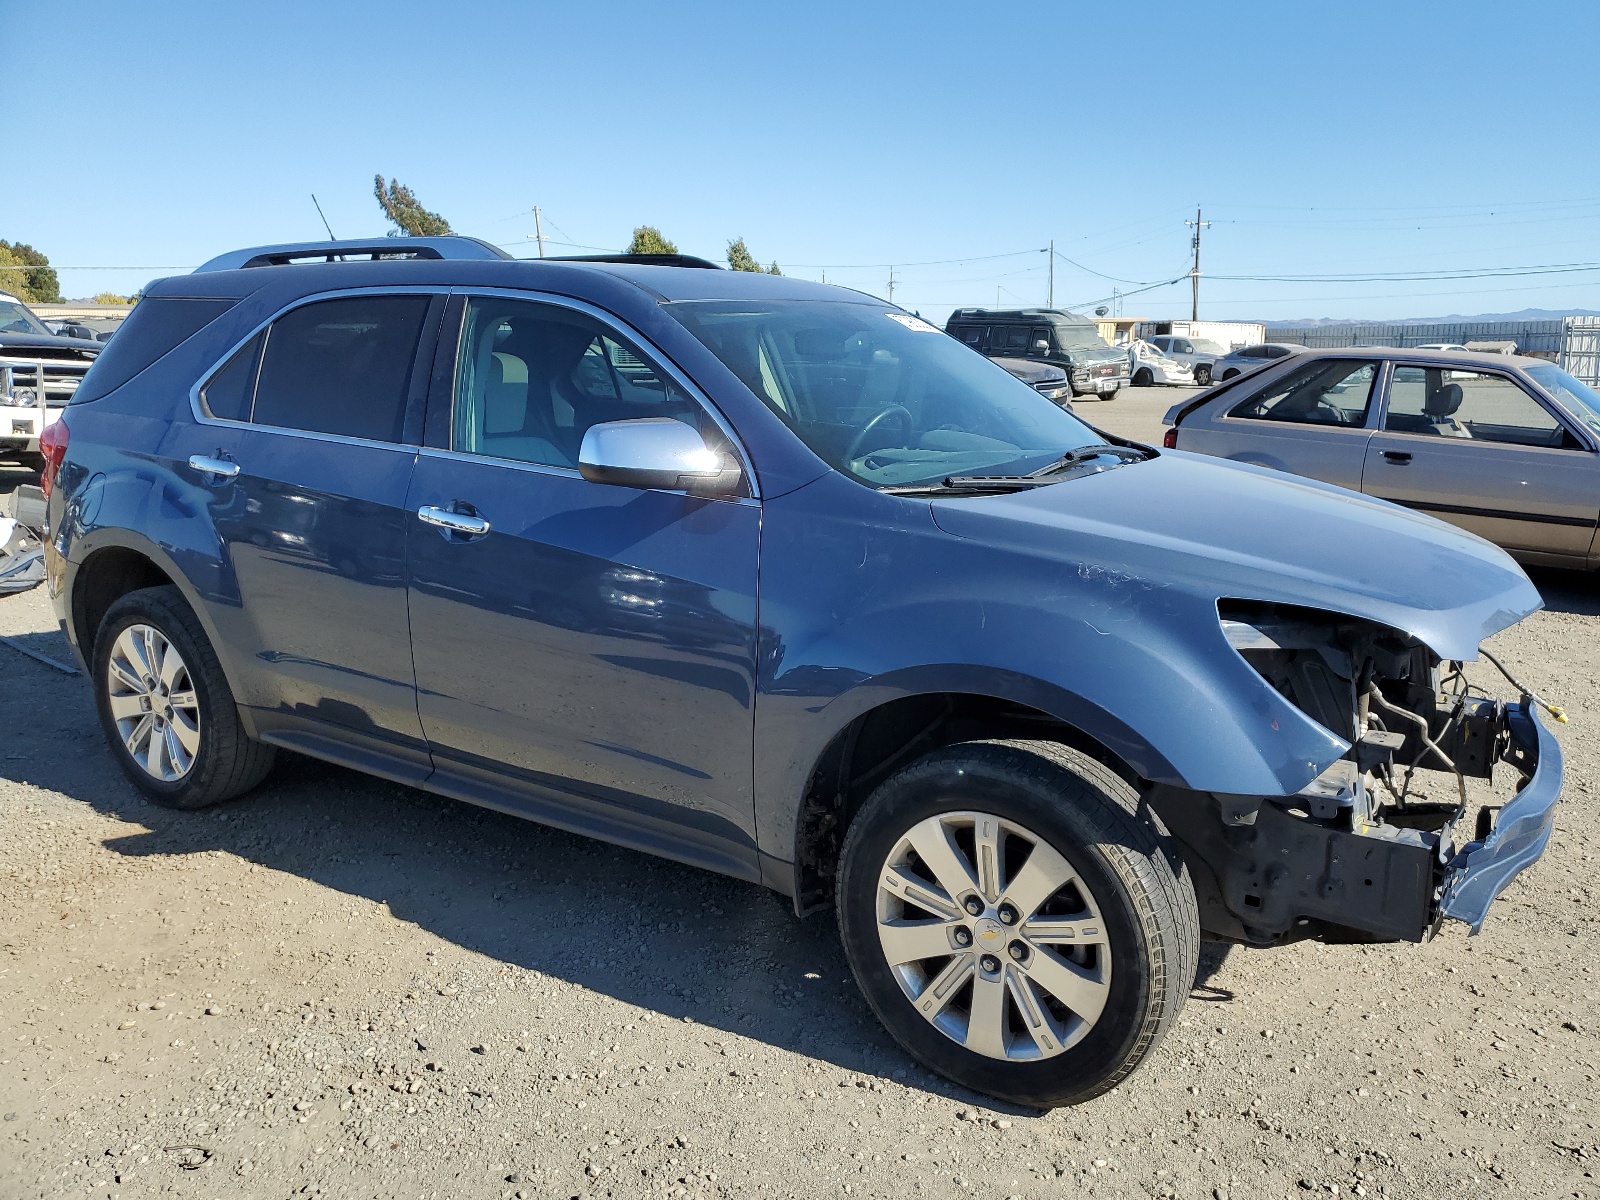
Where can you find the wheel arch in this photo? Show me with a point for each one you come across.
(886, 732)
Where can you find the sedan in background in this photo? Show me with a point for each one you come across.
(1503, 446)
(1149, 367)
(1250, 358)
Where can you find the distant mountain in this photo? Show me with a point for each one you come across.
(1527, 314)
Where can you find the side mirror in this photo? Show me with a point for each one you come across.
(1041, 347)
(656, 453)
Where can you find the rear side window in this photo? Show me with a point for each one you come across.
(228, 393)
(341, 367)
(1326, 392)
(154, 327)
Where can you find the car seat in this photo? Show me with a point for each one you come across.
(1440, 408)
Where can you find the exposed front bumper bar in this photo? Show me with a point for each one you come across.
(1481, 870)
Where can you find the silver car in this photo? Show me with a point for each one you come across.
(1506, 447)
(1197, 354)
(1250, 358)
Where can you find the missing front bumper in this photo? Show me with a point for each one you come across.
(1268, 871)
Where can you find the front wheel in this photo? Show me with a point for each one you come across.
(1144, 378)
(168, 714)
(1015, 922)
(1202, 375)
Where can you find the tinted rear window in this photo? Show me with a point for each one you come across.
(341, 367)
(155, 327)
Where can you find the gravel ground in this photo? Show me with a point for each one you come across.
(343, 987)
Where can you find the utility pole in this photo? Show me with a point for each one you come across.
(891, 285)
(1051, 301)
(538, 230)
(1194, 274)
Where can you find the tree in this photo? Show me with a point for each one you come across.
(740, 259)
(111, 298)
(401, 207)
(13, 279)
(40, 285)
(647, 239)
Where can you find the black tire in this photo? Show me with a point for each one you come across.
(1111, 395)
(1202, 375)
(33, 462)
(1143, 377)
(227, 763)
(1094, 819)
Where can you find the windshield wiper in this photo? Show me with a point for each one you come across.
(990, 484)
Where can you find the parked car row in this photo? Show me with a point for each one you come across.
(39, 372)
(772, 578)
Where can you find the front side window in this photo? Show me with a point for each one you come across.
(1444, 402)
(1325, 392)
(15, 318)
(1580, 399)
(878, 395)
(1180, 346)
(532, 378)
(341, 367)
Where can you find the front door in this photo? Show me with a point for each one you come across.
(302, 456)
(1476, 449)
(588, 657)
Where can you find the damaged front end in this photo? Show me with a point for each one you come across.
(1358, 854)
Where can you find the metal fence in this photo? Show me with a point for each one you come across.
(1542, 338)
(1580, 349)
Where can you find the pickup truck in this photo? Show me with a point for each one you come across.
(39, 372)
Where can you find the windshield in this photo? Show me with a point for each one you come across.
(1079, 337)
(883, 396)
(1578, 397)
(1204, 347)
(14, 318)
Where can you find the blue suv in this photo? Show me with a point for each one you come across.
(776, 579)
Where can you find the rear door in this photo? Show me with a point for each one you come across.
(1479, 450)
(1313, 420)
(304, 452)
(588, 657)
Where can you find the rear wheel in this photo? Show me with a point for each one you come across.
(165, 706)
(1227, 375)
(1014, 923)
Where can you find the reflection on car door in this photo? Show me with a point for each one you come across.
(1476, 449)
(1311, 421)
(588, 659)
(308, 426)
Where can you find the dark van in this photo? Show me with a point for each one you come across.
(1050, 335)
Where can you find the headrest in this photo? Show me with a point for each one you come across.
(1444, 401)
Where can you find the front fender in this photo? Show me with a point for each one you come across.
(862, 603)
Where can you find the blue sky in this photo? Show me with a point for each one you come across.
(953, 141)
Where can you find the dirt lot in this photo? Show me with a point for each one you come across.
(342, 987)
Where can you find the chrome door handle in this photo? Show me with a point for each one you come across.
(219, 467)
(453, 521)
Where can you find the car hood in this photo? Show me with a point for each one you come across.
(53, 346)
(1031, 371)
(1108, 354)
(1219, 529)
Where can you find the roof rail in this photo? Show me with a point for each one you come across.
(648, 260)
(354, 250)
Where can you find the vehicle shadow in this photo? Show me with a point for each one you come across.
(1576, 592)
(673, 939)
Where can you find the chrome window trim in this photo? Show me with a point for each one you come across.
(656, 354)
(201, 417)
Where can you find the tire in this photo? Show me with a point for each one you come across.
(1227, 375)
(1143, 377)
(1122, 873)
(1111, 395)
(33, 462)
(204, 755)
(1202, 375)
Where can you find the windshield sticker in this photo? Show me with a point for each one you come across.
(915, 324)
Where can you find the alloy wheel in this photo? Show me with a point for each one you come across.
(153, 702)
(993, 937)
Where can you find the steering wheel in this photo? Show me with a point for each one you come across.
(893, 410)
(1335, 414)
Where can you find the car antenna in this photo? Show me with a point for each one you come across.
(325, 224)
